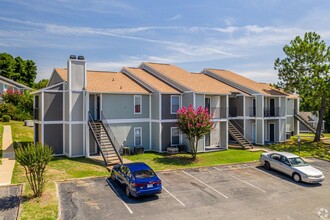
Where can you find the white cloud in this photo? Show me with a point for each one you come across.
(174, 18)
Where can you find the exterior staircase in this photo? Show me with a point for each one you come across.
(237, 135)
(104, 143)
(304, 121)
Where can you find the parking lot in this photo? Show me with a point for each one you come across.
(243, 191)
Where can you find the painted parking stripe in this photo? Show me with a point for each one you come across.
(274, 176)
(243, 181)
(113, 188)
(174, 196)
(205, 184)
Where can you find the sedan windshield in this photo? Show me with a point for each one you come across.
(143, 174)
(297, 162)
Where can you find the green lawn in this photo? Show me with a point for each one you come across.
(60, 168)
(164, 161)
(307, 146)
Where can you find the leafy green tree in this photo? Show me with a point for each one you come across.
(305, 69)
(41, 84)
(17, 69)
(194, 124)
(19, 106)
(34, 159)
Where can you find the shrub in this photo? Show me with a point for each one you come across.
(7, 109)
(34, 159)
(6, 118)
(19, 106)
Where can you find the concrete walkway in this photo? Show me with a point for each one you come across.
(8, 157)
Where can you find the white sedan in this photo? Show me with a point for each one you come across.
(291, 165)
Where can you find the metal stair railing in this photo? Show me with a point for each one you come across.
(90, 122)
(240, 132)
(305, 122)
(112, 138)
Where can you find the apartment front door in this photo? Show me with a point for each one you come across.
(271, 132)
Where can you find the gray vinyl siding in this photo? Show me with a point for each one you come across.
(67, 139)
(267, 130)
(282, 134)
(199, 100)
(155, 136)
(53, 137)
(55, 79)
(248, 130)
(259, 105)
(290, 124)
(77, 106)
(223, 135)
(259, 131)
(166, 135)
(53, 106)
(290, 107)
(122, 106)
(77, 135)
(187, 99)
(282, 109)
(67, 110)
(77, 74)
(92, 144)
(155, 105)
(124, 133)
(215, 134)
(166, 107)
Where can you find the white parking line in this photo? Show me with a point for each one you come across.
(273, 176)
(243, 181)
(174, 196)
(113, 188)
(205, 184)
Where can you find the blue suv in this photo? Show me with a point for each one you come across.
(138, 179)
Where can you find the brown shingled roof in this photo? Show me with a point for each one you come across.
(194, 81)
(263, 88)
(108, 82)
(151, 80)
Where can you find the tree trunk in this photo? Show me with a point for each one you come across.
(317, 137)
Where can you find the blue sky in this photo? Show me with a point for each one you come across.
(239, 35)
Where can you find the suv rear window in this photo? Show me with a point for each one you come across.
(143, 174)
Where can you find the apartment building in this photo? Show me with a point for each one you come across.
(83, 112)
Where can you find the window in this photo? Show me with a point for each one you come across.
(137, 104)
(175, 104)
(137, 136)
(175, 136)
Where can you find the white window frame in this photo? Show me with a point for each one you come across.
(136, 128)
(174, 113)
(180, 136)
(138, 113)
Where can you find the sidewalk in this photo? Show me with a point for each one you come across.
(8, 157)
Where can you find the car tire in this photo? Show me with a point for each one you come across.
(127, 192)
(296, 177)
(267, 165)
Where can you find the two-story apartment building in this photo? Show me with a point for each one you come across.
(266, 114)
(83, 112)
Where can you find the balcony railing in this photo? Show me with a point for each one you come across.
(271, 111)
(36, 114)
(218, 112)
(252, 111)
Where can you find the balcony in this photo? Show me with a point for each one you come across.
(271, 111)
(218, 112)
(36, 114)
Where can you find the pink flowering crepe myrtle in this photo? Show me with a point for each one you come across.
(194, 124)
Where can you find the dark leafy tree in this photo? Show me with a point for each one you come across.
(305, 69)
(17, 69)
(41, 84)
